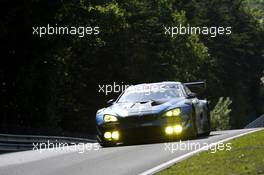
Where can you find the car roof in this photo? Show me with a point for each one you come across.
(156, 84)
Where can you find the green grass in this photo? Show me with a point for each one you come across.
(246, 157)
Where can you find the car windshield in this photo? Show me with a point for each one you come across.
(145, 93)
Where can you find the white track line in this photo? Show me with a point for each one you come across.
(177, 159)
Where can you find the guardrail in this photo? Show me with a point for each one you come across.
(259, 122)
(10, 142)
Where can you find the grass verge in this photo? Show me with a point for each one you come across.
(245, 158)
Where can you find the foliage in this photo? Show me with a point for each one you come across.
(220, 115)
(51, 83)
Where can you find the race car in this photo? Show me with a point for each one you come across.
(163, 110)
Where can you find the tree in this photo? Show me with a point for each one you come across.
(220, 115)
(51, 83)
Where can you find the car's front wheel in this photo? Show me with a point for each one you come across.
(207, 133)
(194, 131)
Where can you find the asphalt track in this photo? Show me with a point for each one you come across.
(134, 159)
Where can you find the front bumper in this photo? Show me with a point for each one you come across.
(146, 129)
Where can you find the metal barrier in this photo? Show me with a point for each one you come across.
(259, 122)
(10, 142)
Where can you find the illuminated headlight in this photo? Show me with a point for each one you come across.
(177, 129)
(169, 130)
(115, 135)
(109, 118)
(111, 135)
(173, 112)
(107, 135)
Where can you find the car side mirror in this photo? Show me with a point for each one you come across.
(110, 102)
(192, 95)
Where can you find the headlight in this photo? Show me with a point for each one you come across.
(107, 135)
(169, 130)
(111, 135)
(173, 112)
(177, 129)
(110, 118)
(115, 135)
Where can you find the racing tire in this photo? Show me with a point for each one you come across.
(194, 131)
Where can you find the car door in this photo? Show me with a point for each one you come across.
(197, 106)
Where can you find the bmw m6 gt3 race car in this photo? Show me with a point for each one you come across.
(165, 110)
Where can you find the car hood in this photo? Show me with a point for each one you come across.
(143, 108)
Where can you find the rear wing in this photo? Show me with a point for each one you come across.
(197, 83)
